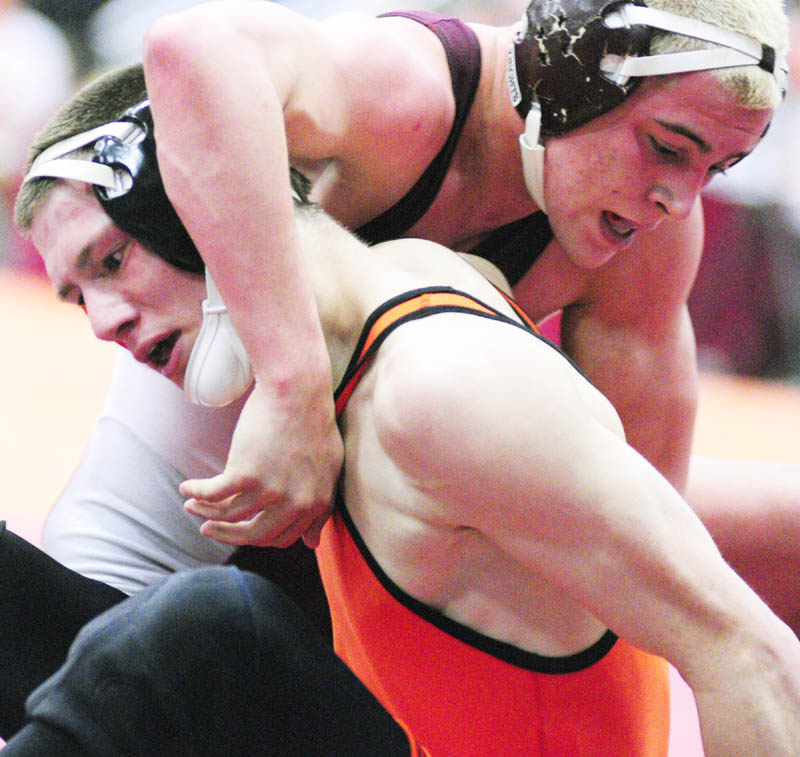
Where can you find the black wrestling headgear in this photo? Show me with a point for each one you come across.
(573, 60)
(557, 60)
(127, 183)
(574, 57)
(125, 177)
(138, 203)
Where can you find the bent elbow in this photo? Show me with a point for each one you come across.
(181, 35)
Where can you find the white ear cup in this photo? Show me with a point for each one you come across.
(218, 371)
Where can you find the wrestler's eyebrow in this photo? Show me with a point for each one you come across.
(82, 262)
(684, 132)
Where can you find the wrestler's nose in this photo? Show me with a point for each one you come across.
(675, 197)
(112, 317)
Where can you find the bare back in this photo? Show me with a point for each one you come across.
(415, 533)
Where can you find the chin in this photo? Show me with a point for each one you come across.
(591, 258)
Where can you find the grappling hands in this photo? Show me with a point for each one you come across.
(279, 480)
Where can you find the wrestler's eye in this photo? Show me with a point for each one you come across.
(723, 168)
(663, 150)
(113, 261)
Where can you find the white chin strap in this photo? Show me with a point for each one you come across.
(734, 50)
(533, 156)
(218, 371)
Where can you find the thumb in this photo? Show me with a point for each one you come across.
(212, 489)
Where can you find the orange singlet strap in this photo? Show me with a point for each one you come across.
(409, 306)
(519, 311)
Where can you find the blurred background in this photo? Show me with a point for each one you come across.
(745, 305)
(53, 374)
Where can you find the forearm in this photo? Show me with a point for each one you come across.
(217, 100)
(630, 550)
(651, 573)
(650, 377)
(223, 158)
(657, 579)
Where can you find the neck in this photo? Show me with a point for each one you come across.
(501, 119)
(336, 266)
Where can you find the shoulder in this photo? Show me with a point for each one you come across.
(447, 387)
(271, 32)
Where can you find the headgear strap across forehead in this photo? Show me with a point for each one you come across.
(573, 60)
(580, 58)
(127, 183)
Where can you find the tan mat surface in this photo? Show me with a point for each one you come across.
(53, 375)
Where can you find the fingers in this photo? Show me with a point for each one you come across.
(283, 465)
(241, 518)
(225, 497)
(262, 530)
(234, 509)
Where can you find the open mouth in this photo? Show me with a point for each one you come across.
(160, 353)
(620, 226)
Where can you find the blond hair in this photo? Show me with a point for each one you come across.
(763, 20)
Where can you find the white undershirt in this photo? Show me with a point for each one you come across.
(121, 519)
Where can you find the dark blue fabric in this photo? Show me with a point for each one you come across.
(43, 605)
(209, 662)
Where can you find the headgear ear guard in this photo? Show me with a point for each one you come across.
(138, 196)
(574, 60)
(127, 183)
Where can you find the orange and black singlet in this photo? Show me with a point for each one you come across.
(455, 691)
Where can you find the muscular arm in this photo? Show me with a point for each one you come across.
(635, 341)
(632, 336)
(564, 495)
(235, 89)
(222, 155)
